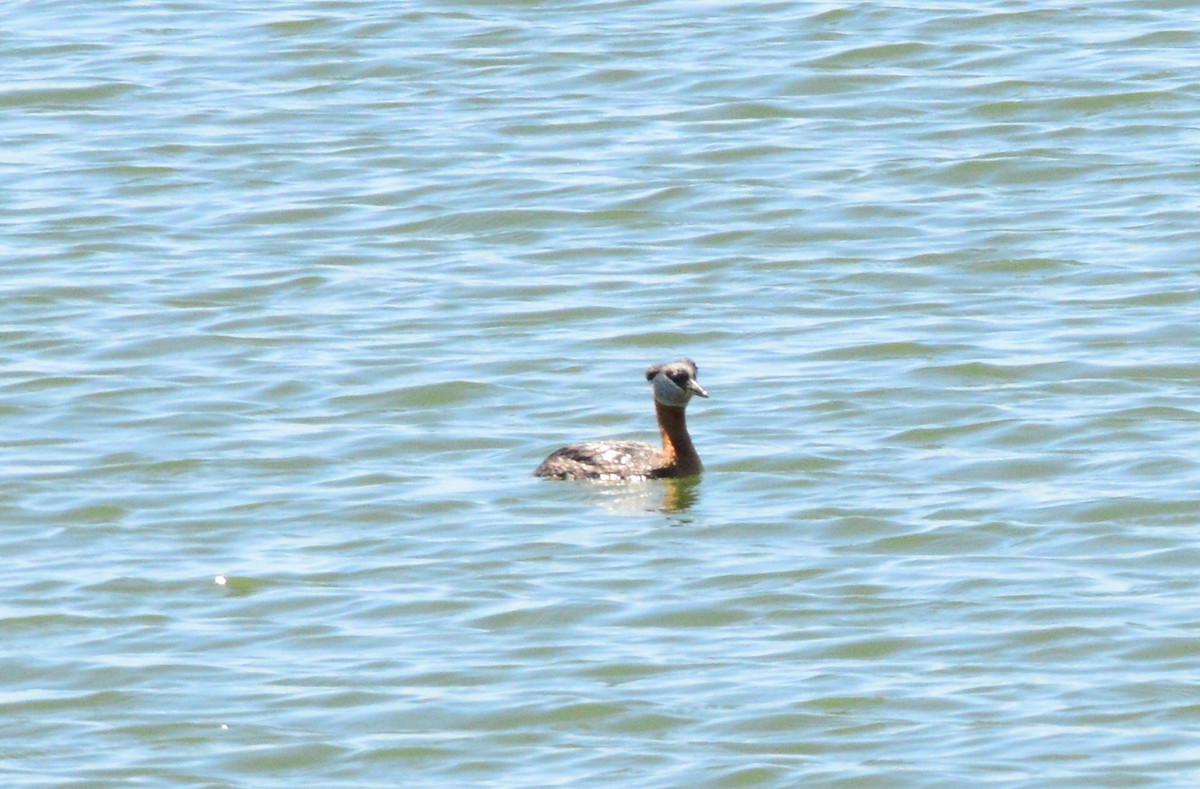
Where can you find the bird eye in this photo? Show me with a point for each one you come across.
(679, 379)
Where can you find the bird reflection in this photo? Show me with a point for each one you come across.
(669, 496)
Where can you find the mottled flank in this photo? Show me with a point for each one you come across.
(606, 461)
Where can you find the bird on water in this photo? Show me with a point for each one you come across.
(674, 384)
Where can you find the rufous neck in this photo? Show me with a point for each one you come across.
(677, 444)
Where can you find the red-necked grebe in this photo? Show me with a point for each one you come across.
(630, 461)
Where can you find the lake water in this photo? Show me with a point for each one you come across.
(293, 300)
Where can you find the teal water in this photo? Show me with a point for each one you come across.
(295, 299)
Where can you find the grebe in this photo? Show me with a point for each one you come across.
(631, 461)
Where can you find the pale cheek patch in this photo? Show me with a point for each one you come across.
(667, 393)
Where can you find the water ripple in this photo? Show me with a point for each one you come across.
(296, 298)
